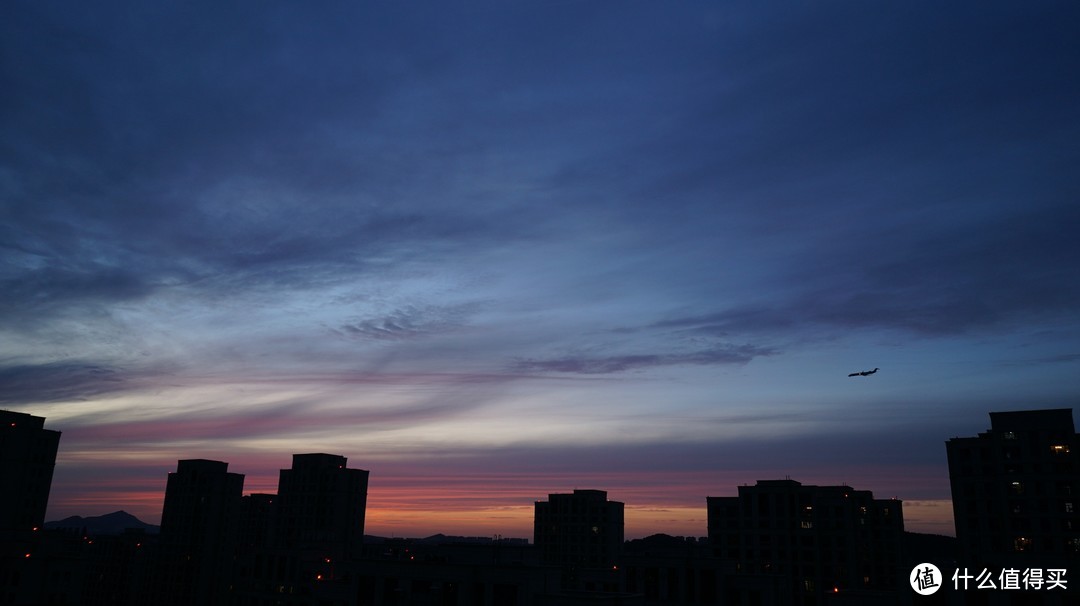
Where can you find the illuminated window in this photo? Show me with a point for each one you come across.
(806, 524)
(1022, 544)
(1060, 449)
(1016, 488)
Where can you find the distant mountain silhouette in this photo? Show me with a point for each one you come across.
(442, 539)
(661, 540)
(111, 523)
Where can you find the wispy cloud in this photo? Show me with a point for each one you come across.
(965, 279)
(1069, 358)
(410, 322)
(733, 354)
(68, 381)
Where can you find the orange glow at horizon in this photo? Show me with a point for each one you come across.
(398, 514)
(478, 504)
(517, 522)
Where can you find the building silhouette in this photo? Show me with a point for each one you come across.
(582, 533)
(790, 543)
(27, 459)
(321, 505)
(300, 545)
(199, 529)
(1016, 491)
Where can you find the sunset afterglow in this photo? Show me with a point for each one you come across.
(490, 251)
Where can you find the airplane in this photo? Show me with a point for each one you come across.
(864, 373)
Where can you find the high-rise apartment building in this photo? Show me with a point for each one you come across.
(27, 458)
(199, 528)
(299, 546)
(1016, 491)
(321, 505)
(811, 540)
(582, 530)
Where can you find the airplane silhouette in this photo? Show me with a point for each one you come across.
(864, 373)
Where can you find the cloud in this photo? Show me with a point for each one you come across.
(731, 354)
(40, 292)
(954, 279)
(260, 158)
(65, 381)
(1068, 358)
(409, 322)
(87, 380)
(296, 417)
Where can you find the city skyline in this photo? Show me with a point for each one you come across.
(427, 520)
(776, 542)
(494, 251)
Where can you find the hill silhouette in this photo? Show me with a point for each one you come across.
(116, 522)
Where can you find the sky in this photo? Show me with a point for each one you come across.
(493, 250)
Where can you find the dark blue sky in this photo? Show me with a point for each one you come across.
(536, 245)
